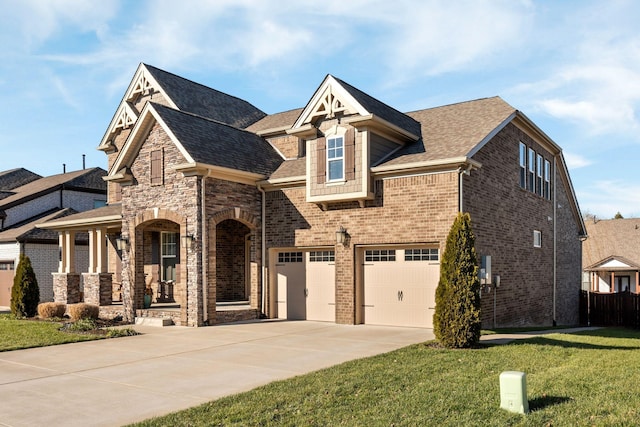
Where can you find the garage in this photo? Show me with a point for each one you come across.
(7, 271)
(306, 285)
(399, 285)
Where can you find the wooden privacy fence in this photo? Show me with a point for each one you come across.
(617, 309)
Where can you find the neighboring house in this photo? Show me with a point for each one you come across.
(338, 211)
(611, 255)
(29, 200)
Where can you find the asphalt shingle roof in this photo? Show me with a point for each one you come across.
(611, 237)
(13, 178)
(274, 121)
(27, 231)
(218, 144)
(206, 102)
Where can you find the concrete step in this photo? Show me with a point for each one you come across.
(154, 321)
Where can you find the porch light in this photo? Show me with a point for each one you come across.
(122, 243)
(187, 241)
(341, 236)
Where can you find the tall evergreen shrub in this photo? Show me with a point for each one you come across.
(456, 321)
(25, 294)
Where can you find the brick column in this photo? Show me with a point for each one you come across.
(97, 288)
(66, 288)
(345, 284)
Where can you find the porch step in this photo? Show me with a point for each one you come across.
(154, 321)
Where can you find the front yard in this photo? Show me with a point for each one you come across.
(583, 379)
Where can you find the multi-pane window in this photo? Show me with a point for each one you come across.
(380, 255)
(532, 170)
(169, 255)
(547, 180)
(6, 265)
(335, 158)
(539, 175)
(322, 256)
(523, 165)
(289, 257)
(537, 239)
(421, 255)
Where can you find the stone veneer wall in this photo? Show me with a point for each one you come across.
(97, 288)
(416, 209)
(66, 288)
(504, 217)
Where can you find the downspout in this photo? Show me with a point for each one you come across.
(555, 230)
(203, 253)
(462, 171)
(263, 246)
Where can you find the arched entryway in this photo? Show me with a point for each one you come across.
(233, 256)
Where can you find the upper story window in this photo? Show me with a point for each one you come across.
(523, 165)
(539, 175)
(532, 170)
(547, 180)
(156, 166)
(537, 239)
(335, 158)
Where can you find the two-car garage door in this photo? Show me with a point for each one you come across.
(400, 286)
(306, 285)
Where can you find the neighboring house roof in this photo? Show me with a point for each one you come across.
(610, 239)
(13, 178)
(203, 101)
(27, 231)
(278, 121)
(85, 180)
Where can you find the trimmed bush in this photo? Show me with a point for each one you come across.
(456, 322)
(50, 310)
(25, 294)
(83, 311)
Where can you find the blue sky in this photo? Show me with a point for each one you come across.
(573, 67)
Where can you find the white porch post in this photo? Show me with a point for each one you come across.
(101, 250)
(93, 257)
(62, 250)
(70, 251)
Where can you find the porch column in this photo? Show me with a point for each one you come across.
(92, 251)
(613, 283)
(69, 253)
(637, 284)
(101, 250)
(62, 253)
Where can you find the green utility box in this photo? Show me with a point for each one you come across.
(513, 392)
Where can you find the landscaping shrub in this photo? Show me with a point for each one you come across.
(83, 311)
(456, 322)
(124, 332)
(25, 294)
(50, 310)
(82, 325)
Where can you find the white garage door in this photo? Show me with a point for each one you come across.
(400, 286)
(306, 285)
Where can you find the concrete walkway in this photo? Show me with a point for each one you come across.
(119, 381)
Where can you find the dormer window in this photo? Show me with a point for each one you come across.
(335, 159)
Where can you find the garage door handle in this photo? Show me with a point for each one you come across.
(366, 305)
(431, 308)
(400, 295)
(306, 292)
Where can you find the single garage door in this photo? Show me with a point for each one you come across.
(6, 282)
(306, 285)
(400, 286)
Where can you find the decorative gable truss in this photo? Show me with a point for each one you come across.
(127, 113)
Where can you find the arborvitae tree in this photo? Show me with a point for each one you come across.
(456, 322)
(25, 294)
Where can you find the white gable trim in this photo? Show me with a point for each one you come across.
(147, 119)
(614, 263)
(142, 81)
(330, 98)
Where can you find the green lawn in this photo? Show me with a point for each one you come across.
(17, 334)
(585, 379)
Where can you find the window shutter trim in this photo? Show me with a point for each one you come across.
(322, 160)
(350, 153)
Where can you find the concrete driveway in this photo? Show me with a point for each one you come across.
(119, 381)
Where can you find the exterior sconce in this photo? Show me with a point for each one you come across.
(341, 236)
(122, 243)
(187, 241)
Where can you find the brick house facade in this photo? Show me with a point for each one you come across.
(338, 211)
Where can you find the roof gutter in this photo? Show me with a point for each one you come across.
(426, 166)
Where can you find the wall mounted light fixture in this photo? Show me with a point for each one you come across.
(341, 236)
(122, 243)
(187, 241)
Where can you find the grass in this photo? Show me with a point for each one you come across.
(584, 379)
(18, 334)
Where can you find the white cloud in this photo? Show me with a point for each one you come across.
(575, 161)
(605, 198)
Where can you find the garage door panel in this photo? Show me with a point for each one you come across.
(399, 291)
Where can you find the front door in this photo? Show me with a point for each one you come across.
(622, 283)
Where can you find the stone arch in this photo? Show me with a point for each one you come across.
(238, 214)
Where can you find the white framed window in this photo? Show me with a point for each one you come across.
(523, 166)
(547, 180)
(169, 255)
(7, 265)
(322, 256)
(421, 254)
(380, 255)
(539, 175)
(537, 239)
(335, 158)
(289, 257)
(532, 170)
